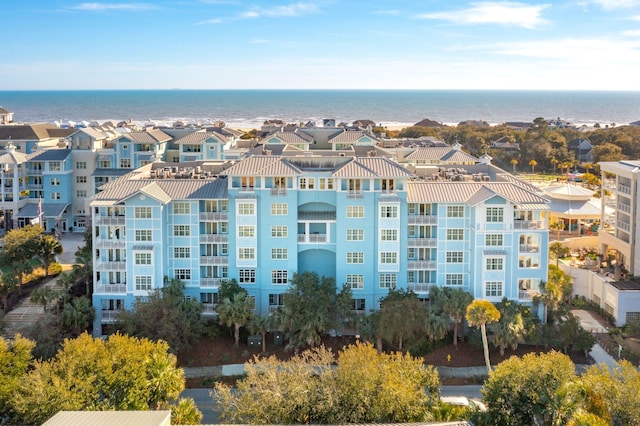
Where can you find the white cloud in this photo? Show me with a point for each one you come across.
(501, 13)
(210, 21)
(386, 12)
(616, 4)
(100, 7)
(291, 10)
(577, 51)
(631, 33)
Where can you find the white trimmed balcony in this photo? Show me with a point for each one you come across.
(107, 288)
(214, 260)
(213, 238)
(422, 264)
(210, 282)
(422, 242)
(422, 220)
(214, 216)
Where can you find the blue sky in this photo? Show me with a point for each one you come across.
(321, 44)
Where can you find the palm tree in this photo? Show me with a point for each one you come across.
(455, 306)
(83, 268)
(236, 311)
(259, 324)
(514, 163)
(47, 248)
(43, 295)
(510, 328)
(185, 412)
(554, 162)
(78, 315)
(533, 164)
(557, 226)
(436, 327)
(480, 313)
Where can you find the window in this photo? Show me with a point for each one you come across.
(247, 182)
(55, 181)
(455, 234)
(355, 212)
(455, 211)
(326, 183)
(388, 280)
(246, 209)
(358, 305)
(55, 166)
(143, 234)
(143, 258)
(388, 185)
(355, 234)
(181, 208)
(355, 257)
(181, 230)
(389, 235)
(307, 183)
(388, 211)
(80, 165)
(493, 240)
(355, 281)
(493, 289)
(355, 186)
(494, 264)
(182, 252)
(495, 214)
(529, 262)
(246, 231)
(388, 257)
(279, 277)
(453, 279)
(104, 164)
(143, 283)
(633, 318)
(142, 212)
(455, 257)
(246, 253)
(125, 163)
(182, 274)
(279, 231)
(246, 276)
(81, 193)
(279, 254)
(279, 209)
(55, 195)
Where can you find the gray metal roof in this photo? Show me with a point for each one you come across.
(49, 155)
(471, 192)
(54, 210)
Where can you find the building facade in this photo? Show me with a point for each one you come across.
(367, 222)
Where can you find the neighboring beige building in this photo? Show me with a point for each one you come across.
(624, 239)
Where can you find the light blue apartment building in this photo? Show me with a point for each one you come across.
(366, 221)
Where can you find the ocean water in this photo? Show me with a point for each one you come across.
(250, 108)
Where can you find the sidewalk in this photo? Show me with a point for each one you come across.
(588, 322)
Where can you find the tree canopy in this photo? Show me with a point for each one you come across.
(365, 387)
(120, 373)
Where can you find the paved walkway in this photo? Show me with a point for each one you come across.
(588, 322)
(26, 313)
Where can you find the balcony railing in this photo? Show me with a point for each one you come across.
(624, 208)
(214, 216)
(420, 287)
(214, 260)
(109, 315)
(527, 294)
(274, 308)
(110, 242)
(278, 192)
(312, 238)
(529, 248)
(111, 265)
(110, 288)
(209, 309)
(624, 189)
(210, 282)
(353, 194)
(422, 242)
(110, 220)
(214, 238)
(422, 220)
(422, 264)
(528, 224)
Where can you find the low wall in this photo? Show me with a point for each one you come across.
(581, 242)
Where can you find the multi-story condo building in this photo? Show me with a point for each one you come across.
(623, 239)
(347, 211)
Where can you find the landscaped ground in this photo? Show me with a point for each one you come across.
(221, 350)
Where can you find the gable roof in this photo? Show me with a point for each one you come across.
(263, 165)
(371, 167)
(200, 137)
(284, 137)
(351, 136)
(34, 131)
(49, 155)
(147, 136)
